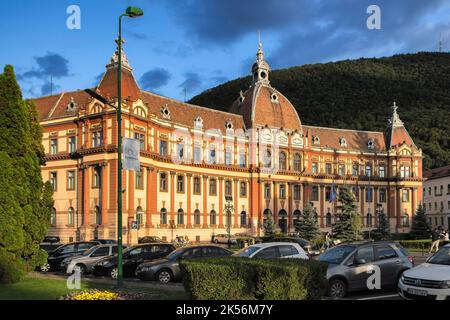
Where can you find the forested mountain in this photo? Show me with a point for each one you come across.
(358, 94)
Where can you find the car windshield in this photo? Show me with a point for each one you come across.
(89, 251)
(246, 252)
(337, 254)
(175, 254)
(441, 257)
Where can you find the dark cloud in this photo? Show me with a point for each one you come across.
(49, 88)
(50, 64)
(192, 83)
(137, 35)
(155, 79)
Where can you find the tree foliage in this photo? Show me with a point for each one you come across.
(420, 228)
(348, 222)
(269, 226)
(307, 228)
(358, 94)
(383, 229)
(25, 207)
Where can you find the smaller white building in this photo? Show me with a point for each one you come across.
(436, 196)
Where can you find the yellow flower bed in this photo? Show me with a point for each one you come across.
(96, 295)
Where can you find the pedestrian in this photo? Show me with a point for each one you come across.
(327, 240)
(435, 238)
(446, 238)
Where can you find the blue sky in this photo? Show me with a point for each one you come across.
(198, 44)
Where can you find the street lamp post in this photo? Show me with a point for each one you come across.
(228, 210)
(131, 12)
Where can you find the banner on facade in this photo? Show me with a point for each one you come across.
(131, 152)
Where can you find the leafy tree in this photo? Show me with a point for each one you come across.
(348, 225)
(307, 227)
(21, 143)
(383, 229)
(269, 226)
(420, 228)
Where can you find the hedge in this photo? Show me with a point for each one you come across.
(234, 278)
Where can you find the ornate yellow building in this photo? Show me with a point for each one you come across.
(194, 159)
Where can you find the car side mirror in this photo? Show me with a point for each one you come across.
(360, 261)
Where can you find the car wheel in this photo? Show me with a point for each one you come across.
(114, 273)
(45, 267)
(337, 289)
(82, 268)
(164, 276)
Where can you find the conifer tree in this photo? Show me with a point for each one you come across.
(307, 227)
(348, 225)
(382, 231)
(420, 228)
(269, 226)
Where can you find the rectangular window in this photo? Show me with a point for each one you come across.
(315, 168)
(355, 170)
(197, 185)
(97, 138)
(327, 193)
(405, 172)
(180, 151)
(267, 193)
(228, 158)
(243, 189)
(355, 191)
(315, 193)
(212, 155)
(297, 192)
(382, 195)
(96, 178)
(228, 188)
(54, 180)
(369, 192)
(139, 181)
(328, 168)
(72, 142)
(368, 170)
(53, 146)
(163, 148)
(180, 184)
(141, 138)
(243, 160)
(341, 169)
(405, 195)
(212, 187)
(382, 172)
(197, 154)
(282, 192)
(163, 182)
(448, 189)
(71, 180)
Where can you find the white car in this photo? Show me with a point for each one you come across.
(271, 250)
(430, 280)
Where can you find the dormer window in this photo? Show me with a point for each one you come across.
(274, 97)
(371, 144)
(229, 125)
(72, 105)
(165, 112)
(316, 140)
(343, 142)
(241, 97)
(198, 123)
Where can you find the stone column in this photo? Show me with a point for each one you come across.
(86, 189)
(188, 197)
(104, 193)
(220, 180)
(205, 201)
(322, 204)
(236, 203)
(152, 200)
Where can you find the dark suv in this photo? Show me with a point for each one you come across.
(56, 256)
(351, 264)
(131, 258)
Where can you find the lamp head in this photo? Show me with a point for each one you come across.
(134, 12)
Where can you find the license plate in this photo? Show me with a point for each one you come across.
(417, 292)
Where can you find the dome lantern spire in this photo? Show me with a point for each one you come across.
(260, 69)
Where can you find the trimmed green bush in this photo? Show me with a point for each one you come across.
(234, 278)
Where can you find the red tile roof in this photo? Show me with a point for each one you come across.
(437, 173)
(108, 85)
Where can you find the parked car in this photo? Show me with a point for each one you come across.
(350, 265)
(273, 250)
(106, 241)
(51, 239)
(310, 249)
(430, 280)
(168, 269)
(150, 239)
(223, 238)
(131, 258)
(88, 259)
(56, 256)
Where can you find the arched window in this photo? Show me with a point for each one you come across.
(163, 216)
(139, 111)
(212, 218)
(243, 219)
(297, 216)
(297, 162)
(180, 216)
(267, 158)
(405, 220)
(53, 217)
(282, 161)
(328, 221)
(70, 216)
(197, 217)
(369, 220)
(282, 221)
(139, 216)
(98, 215)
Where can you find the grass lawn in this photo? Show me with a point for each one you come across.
(33, 288)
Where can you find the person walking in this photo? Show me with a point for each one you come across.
(435, 238)
(446, 238)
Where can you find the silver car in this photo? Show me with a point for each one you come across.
(350, 266)
(88, 259)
